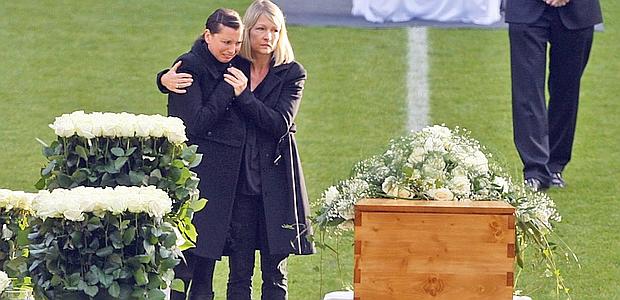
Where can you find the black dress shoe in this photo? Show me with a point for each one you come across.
(536, 185)
(557, 180)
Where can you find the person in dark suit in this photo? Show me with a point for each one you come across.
(251, 171)
(544, 134)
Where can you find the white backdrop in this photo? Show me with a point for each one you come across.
(481, 12)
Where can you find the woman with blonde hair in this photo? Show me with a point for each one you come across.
(260, 196)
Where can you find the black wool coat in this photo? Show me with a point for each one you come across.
(577, 14)
(216, 121)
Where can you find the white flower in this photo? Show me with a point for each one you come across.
(478, 162)
(83, 124)
(72, 204)
(502, 184)
(434, 144)
(144, 125)
(417, 155)
(391, 187)
(441, 194)
(175, 130)
(63, 126)
(123, 124)
(7, 234)
(331, 195)
(460, 185)
(438, 131)
(158, 126)
(15, 200)
(5, 281)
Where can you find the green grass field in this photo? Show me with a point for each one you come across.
(61, 56)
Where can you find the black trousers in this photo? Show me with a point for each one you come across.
(247, 233)
(544, 134)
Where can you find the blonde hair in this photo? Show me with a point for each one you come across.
(283, 52)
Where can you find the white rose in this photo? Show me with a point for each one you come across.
(127, 125)
(83, 124)
(433, 144)
(69, 204)
(417, 155)
(5, 281)
(438, 131)
(143, 126)
(108, 125)
(43, 205)
(98, 123)
(175, 130)
(391, 188)
(4, 197)
(478, 162)
(460, 185)
(502, 184)
(157, 130)
(331, 195)
(388, 184)
(63, 126)
(441, 194)
(21, 200)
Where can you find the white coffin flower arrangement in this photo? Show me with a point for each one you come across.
(437, 163)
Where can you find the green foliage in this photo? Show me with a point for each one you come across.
(14, 244)
(109, 162)
(127, 254)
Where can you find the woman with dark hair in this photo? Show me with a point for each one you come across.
(206, 106)
(251, 171)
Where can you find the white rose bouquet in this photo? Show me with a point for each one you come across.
(103, 242)
(119, 125)
(122, 149)
(15, 210)
(441, 164)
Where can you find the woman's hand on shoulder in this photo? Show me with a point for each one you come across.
(236, 79)
(176, 82)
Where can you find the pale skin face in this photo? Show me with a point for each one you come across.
(225, 44)
(264, 36)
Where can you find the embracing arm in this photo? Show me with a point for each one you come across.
(276, 120)
(200, 115)
(169, 80)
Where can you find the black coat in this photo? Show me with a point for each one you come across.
(576, 14)
(216, 122)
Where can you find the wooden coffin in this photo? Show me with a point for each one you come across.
(433, 250)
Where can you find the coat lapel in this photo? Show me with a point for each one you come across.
(274, 78)
(269, 83)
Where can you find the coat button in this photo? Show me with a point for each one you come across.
(209, 133)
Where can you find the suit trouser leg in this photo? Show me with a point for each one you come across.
(528, 53)
(568, 56)
(202, 281)
(275, 276)
(244, 227)
(199, 270)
